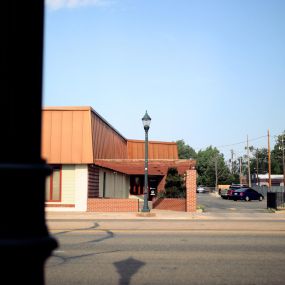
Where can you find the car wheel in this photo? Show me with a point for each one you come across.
(247, 198)
(260, 198)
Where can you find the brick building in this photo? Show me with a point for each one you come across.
(95, 168)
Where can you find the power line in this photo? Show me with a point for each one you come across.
(243, 142)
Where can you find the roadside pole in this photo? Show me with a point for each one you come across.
(269, 161)
(240, 170)
(283, 160)
(248, 165)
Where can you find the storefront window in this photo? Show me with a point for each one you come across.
(53, 185)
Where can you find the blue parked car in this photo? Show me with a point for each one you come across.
(246, 194)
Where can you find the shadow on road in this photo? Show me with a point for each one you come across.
(127, 268)
(95, 226)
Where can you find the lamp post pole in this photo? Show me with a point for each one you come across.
(146, 122)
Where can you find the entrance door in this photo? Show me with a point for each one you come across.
(137, 184)
(153, 182)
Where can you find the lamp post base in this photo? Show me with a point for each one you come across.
(145, 210)
(146, 214)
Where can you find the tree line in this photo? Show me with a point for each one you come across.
(213, 169)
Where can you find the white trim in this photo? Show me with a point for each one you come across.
(81, 187)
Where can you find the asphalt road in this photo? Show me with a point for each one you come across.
(216, 204)
(167, 257)
(244, 247)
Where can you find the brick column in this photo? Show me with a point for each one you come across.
(191, 199)
(161, 185)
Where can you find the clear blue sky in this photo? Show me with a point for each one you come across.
(208, 71)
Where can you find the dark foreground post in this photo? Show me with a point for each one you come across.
(25, 243)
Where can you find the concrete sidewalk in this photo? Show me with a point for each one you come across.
(160, 220)
(153, 215)
(164, 215)
(94, 224)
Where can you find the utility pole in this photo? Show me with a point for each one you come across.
(216, 172)
(269, 161)
(257, 170)
(232, 160)
(240, 170)
(248, 165)
(283, 161)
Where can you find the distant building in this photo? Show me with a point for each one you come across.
(263, 180)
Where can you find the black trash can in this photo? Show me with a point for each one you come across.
(271, 200)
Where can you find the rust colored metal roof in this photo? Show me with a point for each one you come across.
(156, 150)
(66, 136)
(79, 135)
(136, 166)
(106, 141)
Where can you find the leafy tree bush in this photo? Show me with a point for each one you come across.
(211, 168)
(185, 151)
(174, 185)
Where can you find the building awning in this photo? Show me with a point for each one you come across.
(137, 166)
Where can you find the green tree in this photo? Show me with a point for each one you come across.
(174, 185)
(185, 151)
(277, 156)
(212, 169)
(258, 161)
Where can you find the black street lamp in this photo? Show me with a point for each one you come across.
(146, 123)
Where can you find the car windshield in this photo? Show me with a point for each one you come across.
(240, 190)
(235, 187)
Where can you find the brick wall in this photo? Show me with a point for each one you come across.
(112, 205)
(173, 204)
(160, 186)
(191, 199)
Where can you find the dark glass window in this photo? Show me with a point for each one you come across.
(53, 185)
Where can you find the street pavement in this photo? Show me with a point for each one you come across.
(228, 244)
(168, 257)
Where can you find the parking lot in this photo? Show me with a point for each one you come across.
(214, 203)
